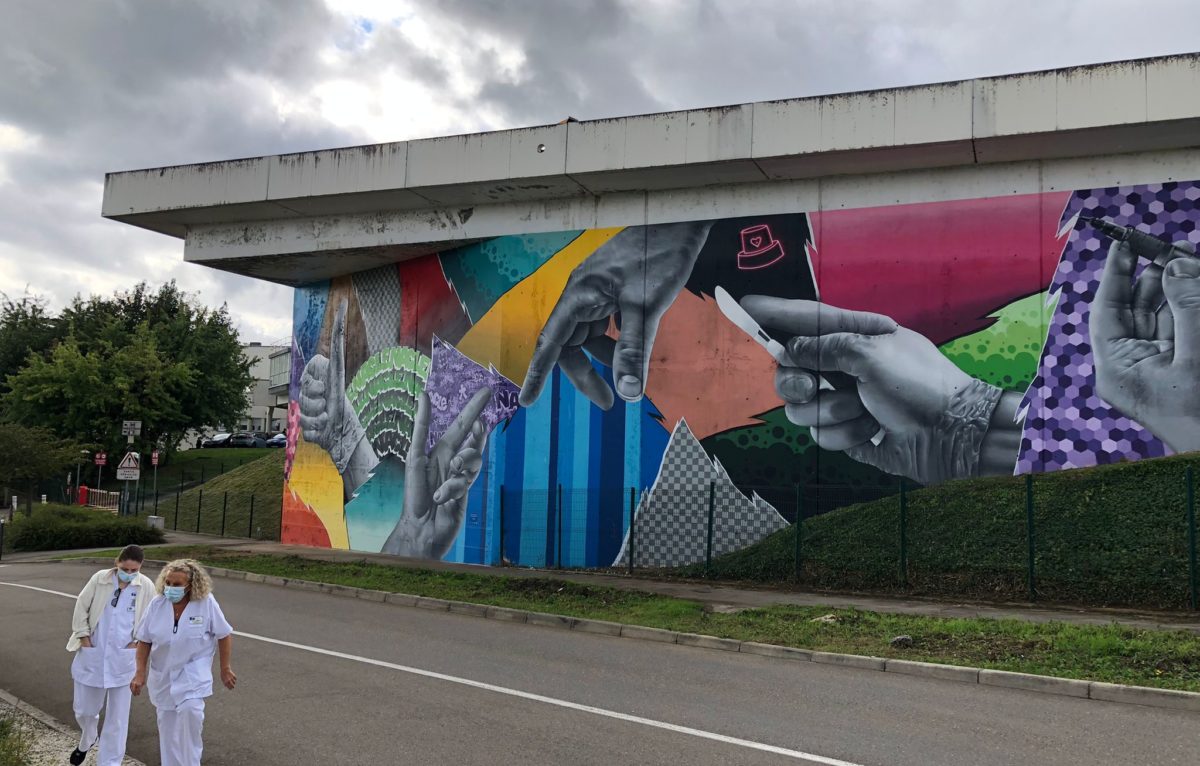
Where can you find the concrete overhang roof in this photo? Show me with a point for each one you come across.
(1123, 107)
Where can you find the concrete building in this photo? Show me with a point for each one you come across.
(638, 299)
(266, 412)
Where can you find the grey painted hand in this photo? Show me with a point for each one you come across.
(635, 275)
(934, 416)
(326, 417)
(436, 485)
(1146, 344)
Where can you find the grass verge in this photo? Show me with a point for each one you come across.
(1110, 653)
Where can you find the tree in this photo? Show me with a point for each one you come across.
(155, 357)
(28, 455)
(26, 328)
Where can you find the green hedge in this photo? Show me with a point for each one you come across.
(1108, 536)
(53, 528)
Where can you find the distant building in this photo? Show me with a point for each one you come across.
(267, 410)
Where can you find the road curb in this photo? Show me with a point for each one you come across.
(48, 720)
(1091, 690)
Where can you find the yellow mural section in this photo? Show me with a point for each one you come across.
(317, 483)
(505, 336)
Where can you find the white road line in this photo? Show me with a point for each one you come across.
(702, 734)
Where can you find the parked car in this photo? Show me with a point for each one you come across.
(218, 440)
(278, 440)
(246, 439)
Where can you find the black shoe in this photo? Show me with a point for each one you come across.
(77, 756)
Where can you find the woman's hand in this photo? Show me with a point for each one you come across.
(138, 682)
(228, 677)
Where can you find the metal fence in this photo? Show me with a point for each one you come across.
(1117, 543)
(256, 516)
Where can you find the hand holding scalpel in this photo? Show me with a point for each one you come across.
(734, 312)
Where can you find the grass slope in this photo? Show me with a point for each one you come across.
(1107, 536)
(229, 496)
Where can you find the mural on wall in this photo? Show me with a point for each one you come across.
(443, 403)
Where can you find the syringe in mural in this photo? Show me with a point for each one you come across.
(1147, 246)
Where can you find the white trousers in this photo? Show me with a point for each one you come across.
(179, 732)
(89, 701)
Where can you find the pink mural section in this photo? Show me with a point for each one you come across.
(938, 268)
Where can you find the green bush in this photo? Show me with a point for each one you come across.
(54, 528)
(1112, 535)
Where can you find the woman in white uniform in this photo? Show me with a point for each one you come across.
(178, 635)
(102, 628)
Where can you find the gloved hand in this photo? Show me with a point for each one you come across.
(1146, 344)
(636, 274)
(326, 417)
(934, 416)
(436, 485)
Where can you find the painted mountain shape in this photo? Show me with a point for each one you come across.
(670, 525)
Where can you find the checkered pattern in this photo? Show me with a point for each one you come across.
(671, 521)
(378, 292)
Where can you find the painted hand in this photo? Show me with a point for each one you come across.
(934, 416)
(326, 417)
(436, 485)
(634, 276)
(1146, 344)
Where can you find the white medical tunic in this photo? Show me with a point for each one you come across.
(181, 655)
(107, 663)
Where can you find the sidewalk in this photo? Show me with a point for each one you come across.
(718, 597)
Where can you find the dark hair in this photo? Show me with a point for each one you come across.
(132, 553)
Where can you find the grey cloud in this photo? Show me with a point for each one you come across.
(119, 84)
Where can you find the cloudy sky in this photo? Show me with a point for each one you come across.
(92, 86)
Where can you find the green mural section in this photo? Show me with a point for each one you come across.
(384, 394)
(1006, 354)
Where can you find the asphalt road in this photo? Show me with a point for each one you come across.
(362, 682)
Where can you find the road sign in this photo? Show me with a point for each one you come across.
(130, 467)
(154, 458)
(131, 428)
(101, 458)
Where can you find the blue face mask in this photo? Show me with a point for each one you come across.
(126, 576)
(174, 593)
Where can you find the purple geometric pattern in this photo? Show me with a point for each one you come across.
(1068, 425)
(453, 380)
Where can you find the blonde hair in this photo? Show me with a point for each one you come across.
(197, 577)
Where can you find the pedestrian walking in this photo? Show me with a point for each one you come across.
(181, 631)
(106, 615)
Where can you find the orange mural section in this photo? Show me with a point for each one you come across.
(301, 526)
(699, 358)
(316, 487)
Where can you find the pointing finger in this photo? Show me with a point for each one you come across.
(458, 431)
(801, 317)
(337, 351)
